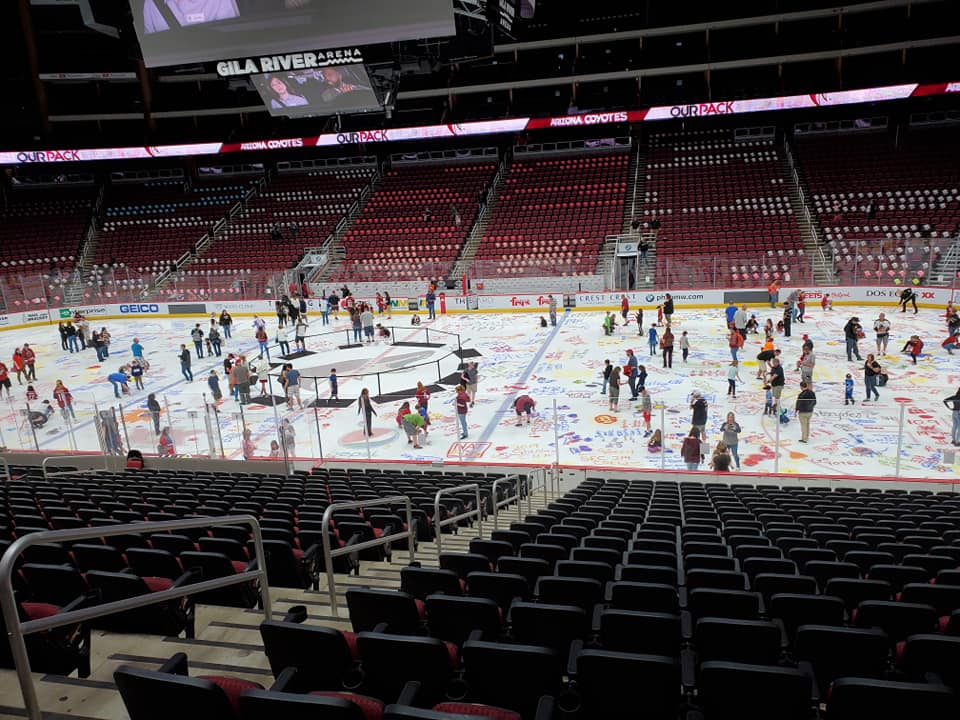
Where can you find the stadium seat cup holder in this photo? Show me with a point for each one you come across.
(569, 703)
(457, 690)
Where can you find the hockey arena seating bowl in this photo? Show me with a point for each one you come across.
(619, 597)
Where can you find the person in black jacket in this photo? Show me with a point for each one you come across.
(852, 332)
(699, 419)
(907, 295)
(185, 364)
(806, 401)
(668, 307)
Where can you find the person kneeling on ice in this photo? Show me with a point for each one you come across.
(413, 423)
(383, 332)
(655, 443)
(415, 320)
(524, 404)
(39, 418)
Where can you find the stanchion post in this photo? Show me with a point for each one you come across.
(903, 410)
(276, 423)
(556, 433)
(776, 436)
(428, 335)
(316, 416)
(663, 436)
(123, 421)
(33, 430)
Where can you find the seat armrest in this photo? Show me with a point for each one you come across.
(686, 625)
(475, 635)
(576, 647)
(284, 680)
(176, 665)
(688, 669)
(188, 578)
(595, 618)
(807, 669)
(408, 696)
(380, 628)
(545, 708)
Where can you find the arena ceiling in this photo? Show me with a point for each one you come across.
(73, 72)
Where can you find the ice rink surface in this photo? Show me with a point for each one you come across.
(515, 355)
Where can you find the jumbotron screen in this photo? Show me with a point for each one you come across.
(177, 32)
(320, 91)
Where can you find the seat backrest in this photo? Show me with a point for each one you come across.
(796, 610)
(932, 653)
(770, 584)
(601, 572)
(153, 563)
(648, 597)
(421, 582)
(531, 569)
(898, 620)
(56, 584)
(369, 607)
(640, 632)
(753, 692)
(502, 588)
(734, 604)
(582, 592)
(944, 598)
(835, 652)
(152, 695)
(511, 676)
(454, 618)
(859, 699)
(745, 641)
(549, 625)
(388, 662)
(614, 684)
(320, 655)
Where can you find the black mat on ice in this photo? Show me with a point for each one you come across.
(418, 344)
(467, 353)
(324, 403)
(350, 346)
(406, 394)
(298, 354)
(452, 379)
(268, 400)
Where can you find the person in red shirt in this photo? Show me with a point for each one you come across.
(30, 358)
(4, 379)
(773, 290)
(736, 342)
(524, 404)
(624, 307)
(18, 365)
(64, 399)
(423, 394)
(462, 401)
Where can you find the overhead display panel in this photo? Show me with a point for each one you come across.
(322, 91)
(177, 32)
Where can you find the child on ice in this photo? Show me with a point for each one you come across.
(646, 408)
(848, 391)
(768, 400)
(684, 345)
(653, 340)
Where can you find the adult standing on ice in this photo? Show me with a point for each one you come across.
(668, 308)
(470, 378)
(197, 336)
(185, 364)
(365, 409)
(226, 322)
(552, 301)
(30, 360)
(462, 400)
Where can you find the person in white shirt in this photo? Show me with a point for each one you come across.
(881, 326)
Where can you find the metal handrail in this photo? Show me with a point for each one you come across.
(541, 473)
(6, 471)
(329, 554)
(506, 501)
(439, 524)
(16, 630)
